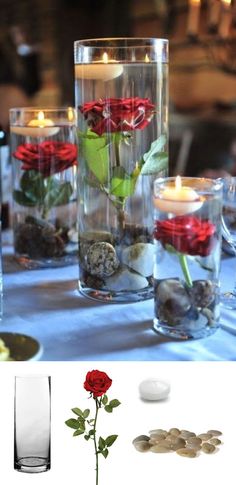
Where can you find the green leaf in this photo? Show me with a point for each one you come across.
(72, 423)
(91, 432)
(122, 184)
(86, 437)
(91, 421)
(105, 453)
(155, 160)
(23, 199)
(105, 399)
(108, 408)
(58, 194)
(77, 411)
(101, 443)
(32, 184)
(86, 413)
(96, 154)
(78, 432)
(111, 439)
(114, 403)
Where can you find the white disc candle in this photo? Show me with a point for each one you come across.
(104, 70)
(38, 127)
(178, 200)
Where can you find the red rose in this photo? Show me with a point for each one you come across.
(97, 382)
(48, 157)
(187, 234)
(118, 114)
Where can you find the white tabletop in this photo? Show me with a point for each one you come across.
(46, 305)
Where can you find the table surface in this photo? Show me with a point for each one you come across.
(46, 305)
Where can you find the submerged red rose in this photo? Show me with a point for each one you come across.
(187, 234)
(97, 382)
(48, 157)
(118, 114)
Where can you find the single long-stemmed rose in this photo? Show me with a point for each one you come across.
(40, 162)
(111, 122)
(186, 235)
(97, 384)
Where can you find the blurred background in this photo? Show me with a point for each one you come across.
(36, 65)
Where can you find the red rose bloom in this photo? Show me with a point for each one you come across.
(48, 157)
(118, 114)
(187, 234)
(97, 382)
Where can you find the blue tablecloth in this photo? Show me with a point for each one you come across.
(46, 305)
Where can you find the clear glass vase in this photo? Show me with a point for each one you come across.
(32, 424)
(44, 162)
(187, 235)
(121, 92)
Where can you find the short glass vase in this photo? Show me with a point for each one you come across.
(44, 163)
(187, 235)
(121, 92)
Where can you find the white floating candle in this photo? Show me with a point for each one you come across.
(178, 200)
(154, 389)
(39, 127)
(104, 70)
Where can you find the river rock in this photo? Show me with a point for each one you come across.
(125, 280)
(102, 260)
(139, 257)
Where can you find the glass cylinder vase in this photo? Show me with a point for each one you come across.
(32, 430)
(121, 92)
(44, 162)
(187, 235)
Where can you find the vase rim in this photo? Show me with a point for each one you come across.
(140, 40)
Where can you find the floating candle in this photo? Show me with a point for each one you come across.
(154, 389)
(104, 70)
(178, 200)
(39, 127)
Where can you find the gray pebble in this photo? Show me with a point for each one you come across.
(188, 453)
(205, 436)
(208, 448)
(214, 432)
(142, 446)
(215, 442)
(142, 437)
(102, 259)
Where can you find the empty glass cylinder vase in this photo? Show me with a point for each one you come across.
(32, 431)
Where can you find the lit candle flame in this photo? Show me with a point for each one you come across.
(70, 113)
(105, 58)
(178, 182)
(147, 58)
(40, 115)
(226, 3)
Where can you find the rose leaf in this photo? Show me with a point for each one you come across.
(111, 439)
(72, 423)
(78, 432)
(86, 413)
(105, 399)
(155, 160)
(122, 184)
(105, 453)
(108, 408)
(114, 403)
(96, 155)
(101, 443)
(59, 194)
(77, 411)
(22, 199)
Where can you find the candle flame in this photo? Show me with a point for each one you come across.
(194, 2)
(226, 3)
(147, 58)
(70, 113)
(105, 58)
(40, 115)
(178, 182)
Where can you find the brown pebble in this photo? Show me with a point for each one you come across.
(214, 432)
(187, 434)
(188, 453)
(142, 446)
(205, 436)
(160, 448)
(208, 448)
(193, 440)
(215, 441)
(142, 437)
(174, 431)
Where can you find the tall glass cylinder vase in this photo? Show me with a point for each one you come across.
(121, 92)
(32, 424)
(44, 161)
(187, 238)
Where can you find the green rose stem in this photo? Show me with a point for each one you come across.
(94, 437)
(185, 269)
(120, 207)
